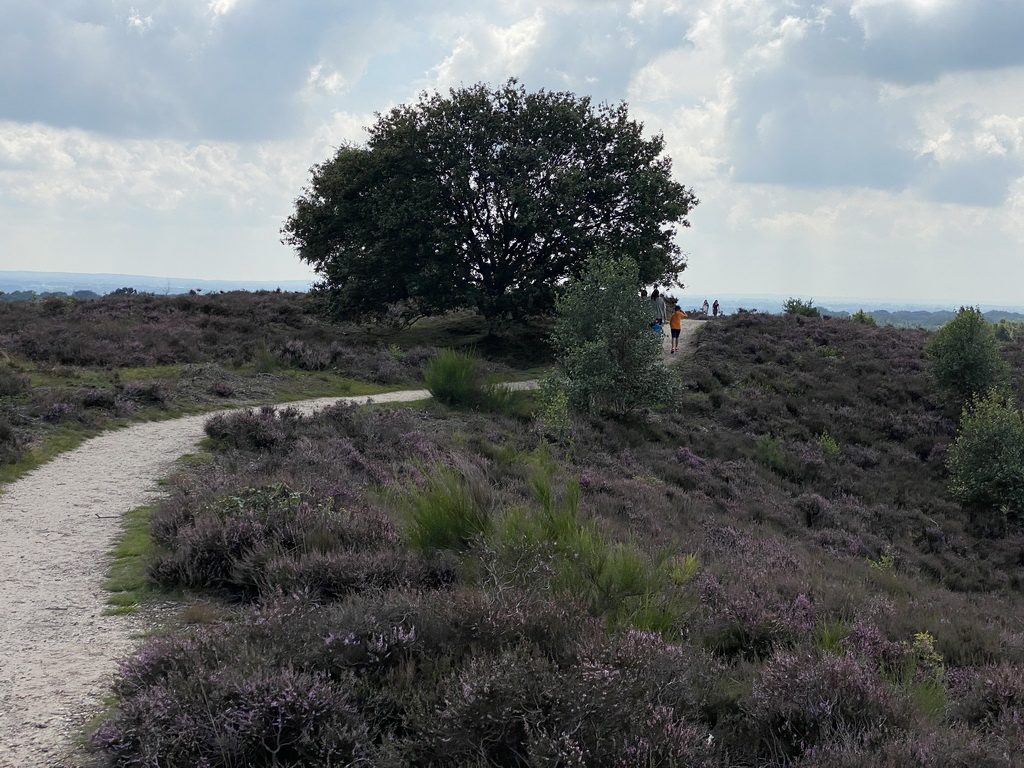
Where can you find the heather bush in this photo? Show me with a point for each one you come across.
(800, 702)
(11, 382)
(774, 643)
(12, 445)
(993, 695)
(447, 678)
(260, 540)
(247, 429)
(183, 702)
(151, 392)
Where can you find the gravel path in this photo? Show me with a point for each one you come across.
(57, 524)
(687, 328)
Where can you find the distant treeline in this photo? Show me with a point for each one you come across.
(906, 318)
(33, 296)
(83, 295)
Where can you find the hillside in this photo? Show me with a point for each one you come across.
(769, 572)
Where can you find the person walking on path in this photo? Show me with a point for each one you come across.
(675, 325)
(658, 305)
(704, 308)
(714, 308)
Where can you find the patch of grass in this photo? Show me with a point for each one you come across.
(126, 579)
(456, 379)
(456, 329)
(303, 385)
(450, 512)
(52, 445)
(161, 372)
(828, 636)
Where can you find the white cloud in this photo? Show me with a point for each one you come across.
(483, 51)
(837, 146)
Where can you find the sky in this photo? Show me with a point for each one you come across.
(839, 148)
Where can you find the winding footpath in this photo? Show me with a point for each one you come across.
(57, 525)
(58, 649)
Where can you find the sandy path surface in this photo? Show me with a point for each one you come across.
(687, 328)
(57, 524)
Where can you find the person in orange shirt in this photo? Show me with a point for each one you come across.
(675, 325)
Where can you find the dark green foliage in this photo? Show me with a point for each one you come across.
(860, 316)
(12, 444)
(609, 359)
(986, 461)
(487, 199)
(963, 359)
(792, 306)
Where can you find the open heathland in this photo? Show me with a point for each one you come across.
(768, 571)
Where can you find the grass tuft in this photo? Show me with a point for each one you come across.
(127, 581)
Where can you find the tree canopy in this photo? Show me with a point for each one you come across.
(487, 199)
(963, 357)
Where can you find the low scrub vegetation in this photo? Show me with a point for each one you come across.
(770, 570)
(70, 367)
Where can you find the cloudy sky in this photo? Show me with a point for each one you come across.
(862, 148)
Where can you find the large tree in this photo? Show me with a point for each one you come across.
(487, 199)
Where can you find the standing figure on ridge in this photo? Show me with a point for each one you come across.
(675, 325)
(658, 305)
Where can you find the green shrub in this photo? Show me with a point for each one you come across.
(769, 453)
(457, 380)
(963, 359)
(553, 417)
(800, 307)
(862, 317)
(616, 581)
(610, 358)
(986, 461)
(1009, 330)
(828, 444)
(450, 512)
